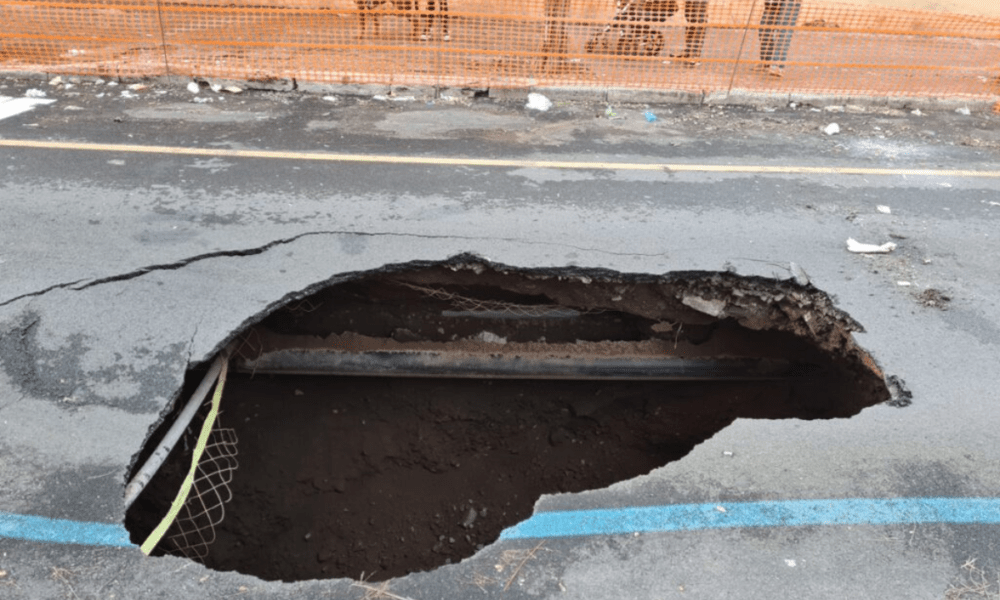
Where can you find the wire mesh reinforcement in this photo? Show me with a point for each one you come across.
(193, 531)
(188, 528)
(699, 46)
(498, 309)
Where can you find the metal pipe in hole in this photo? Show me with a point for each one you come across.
(156, 459)
(387, 363)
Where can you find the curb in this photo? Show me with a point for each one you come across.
(736, 97)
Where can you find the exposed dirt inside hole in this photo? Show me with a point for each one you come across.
(341, 476)
(344, 476)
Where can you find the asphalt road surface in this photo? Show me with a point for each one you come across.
(140, 231)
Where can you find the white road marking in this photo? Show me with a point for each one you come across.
(10, 107)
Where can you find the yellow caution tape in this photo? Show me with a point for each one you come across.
(185, 489)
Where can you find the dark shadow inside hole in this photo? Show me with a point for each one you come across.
(385, 309)
(340, 476)
(344, 475)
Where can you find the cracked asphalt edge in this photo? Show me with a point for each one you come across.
(82, 284)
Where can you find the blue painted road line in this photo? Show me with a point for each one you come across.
(787, 513)
(62, 531)
(611, 521)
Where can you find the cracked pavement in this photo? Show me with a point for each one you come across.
(119, 270)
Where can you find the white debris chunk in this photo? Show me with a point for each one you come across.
(831, 129)
(470, 518)
(538, 102)
(885, 210)
(789, 562)
(712, 308)
(857, 247)
(964, 111)
(232, 89)
(138, 87)
(33, 93)
(800, 275)
(490, 338)
(331, 98)
(903, 283)
(55, 81)
(384, 98)
(193, 87)
(215, 87)
(721, 509)
(916, 112)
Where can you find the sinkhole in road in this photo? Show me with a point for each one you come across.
(394, 421)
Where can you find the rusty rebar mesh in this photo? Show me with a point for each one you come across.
(497, 308)
(831, 48)
(193, 531)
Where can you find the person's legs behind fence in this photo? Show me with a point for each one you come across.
(696, 14)
(774, 43)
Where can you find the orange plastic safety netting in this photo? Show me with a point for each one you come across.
(767, 46)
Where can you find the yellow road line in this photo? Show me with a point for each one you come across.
(489, 162)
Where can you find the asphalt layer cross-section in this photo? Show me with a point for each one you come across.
(120, 268)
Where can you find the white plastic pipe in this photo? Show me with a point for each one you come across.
(155, 460)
